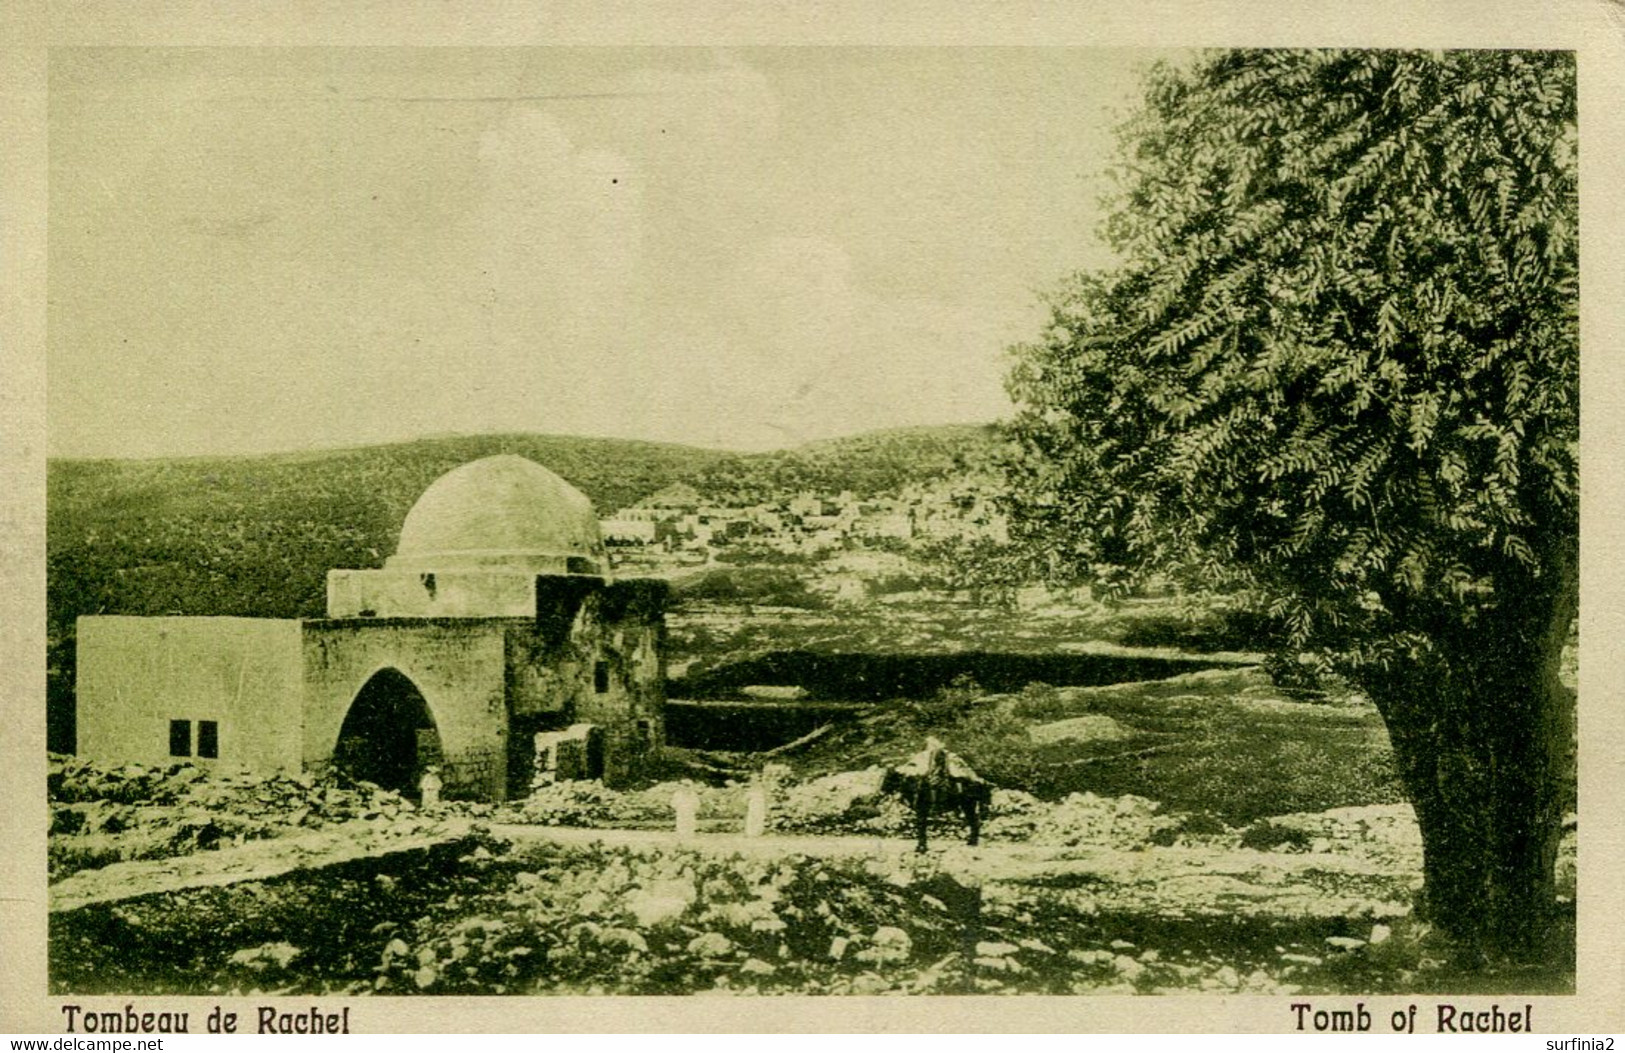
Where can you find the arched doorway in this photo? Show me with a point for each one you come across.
(388, 737)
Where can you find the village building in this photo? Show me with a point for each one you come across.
(766, 520)
(886, 523)
(494, 647)
(807, 504)
(629, 530)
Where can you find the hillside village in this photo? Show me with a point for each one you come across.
(679, 525)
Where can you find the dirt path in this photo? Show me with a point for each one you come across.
(253, 861)
(1168, 881)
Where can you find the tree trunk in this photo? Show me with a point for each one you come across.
(1483, 733)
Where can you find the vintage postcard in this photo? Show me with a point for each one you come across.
(1042, 523)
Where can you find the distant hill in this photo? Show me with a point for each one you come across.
(255, 535)
(872, 463)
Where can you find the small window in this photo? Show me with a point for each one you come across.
(208, 738)
(600, 677)
(180, 738)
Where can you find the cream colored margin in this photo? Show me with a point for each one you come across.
(1595, 27)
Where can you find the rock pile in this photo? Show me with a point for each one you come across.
(574, 803)
(1092, 727)
(1388, 831)
(1080, 819)
(589, 803)
(845, 802)
(102, 815)
(672, 921)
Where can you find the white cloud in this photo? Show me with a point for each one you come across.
(562, 225)
(799, 349)
(560, 260)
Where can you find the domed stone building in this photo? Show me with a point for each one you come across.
(495, 635)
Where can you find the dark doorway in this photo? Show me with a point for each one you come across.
(388, 737)
(595, 753)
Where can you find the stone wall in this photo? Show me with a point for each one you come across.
(275, 693)
(458, 666)
(242, 675)
(593, 656)
(391, 593)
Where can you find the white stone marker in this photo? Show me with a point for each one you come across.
(686, 803)
(756, 809)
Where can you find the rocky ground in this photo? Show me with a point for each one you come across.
(102, 816)
(1207, 832)
(1085, 894)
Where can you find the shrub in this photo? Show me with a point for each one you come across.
(1289, 671)
(574, 803)
(892, 584)
(746, 553)
(1195, 824)
(950, 703)
(765, 586)
(1268, 836)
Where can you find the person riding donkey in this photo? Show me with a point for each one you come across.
(938, 780)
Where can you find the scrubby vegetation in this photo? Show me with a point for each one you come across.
(754, 585)
(876, 462)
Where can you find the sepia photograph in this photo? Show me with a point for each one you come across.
(544, 521)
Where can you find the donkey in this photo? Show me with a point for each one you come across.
(936, 781)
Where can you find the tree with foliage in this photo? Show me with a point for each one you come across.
(1337, 363)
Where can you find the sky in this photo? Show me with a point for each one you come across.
(255, 250)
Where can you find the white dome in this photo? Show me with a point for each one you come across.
(504, 512)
